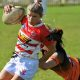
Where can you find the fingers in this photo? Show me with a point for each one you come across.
(39, 1)
(7, 8)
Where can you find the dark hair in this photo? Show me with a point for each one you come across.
(56, 35)
(36, 8)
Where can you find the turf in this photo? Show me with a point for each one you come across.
(65, 17)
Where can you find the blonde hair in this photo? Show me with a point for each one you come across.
(36, 8)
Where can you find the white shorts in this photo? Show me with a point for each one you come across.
(25, 68)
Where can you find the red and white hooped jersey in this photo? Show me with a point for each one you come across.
(30, 39)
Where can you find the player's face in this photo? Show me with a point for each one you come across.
(33, 18)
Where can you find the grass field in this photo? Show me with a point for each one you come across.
(67, 18)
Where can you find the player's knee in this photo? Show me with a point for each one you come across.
(1, 78)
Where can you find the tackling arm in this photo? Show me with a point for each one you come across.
(50, 51)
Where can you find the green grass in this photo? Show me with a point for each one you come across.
(67, 18)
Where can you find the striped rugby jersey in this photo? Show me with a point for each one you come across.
(30, 39)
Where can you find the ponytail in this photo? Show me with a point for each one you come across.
(56, 35)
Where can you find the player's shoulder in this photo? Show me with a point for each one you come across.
(45, 28)
(24, 20)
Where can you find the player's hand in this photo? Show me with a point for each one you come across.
(38, 1)
(7, 8)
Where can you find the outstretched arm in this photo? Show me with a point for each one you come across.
(7, 8)
(56, 56)
(55, 59)
(13, 14)
(45, 58)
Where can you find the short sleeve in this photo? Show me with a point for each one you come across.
(23, 20)
(44, 33)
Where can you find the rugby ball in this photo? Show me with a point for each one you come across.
(14, 16)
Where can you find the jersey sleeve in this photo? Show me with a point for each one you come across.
(44, 33)
(24, 20)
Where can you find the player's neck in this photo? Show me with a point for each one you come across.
(39, 22)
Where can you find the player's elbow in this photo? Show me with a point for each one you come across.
(44, 67)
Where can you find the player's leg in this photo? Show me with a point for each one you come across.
(4, 75)
(17, 77)
(8, 71)
(25, 68)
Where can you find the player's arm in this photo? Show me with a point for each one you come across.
(49, 45)
(12, 14)
(7, 8)
(44, 62)
(57, 57)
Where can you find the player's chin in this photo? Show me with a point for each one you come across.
(32, 23)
